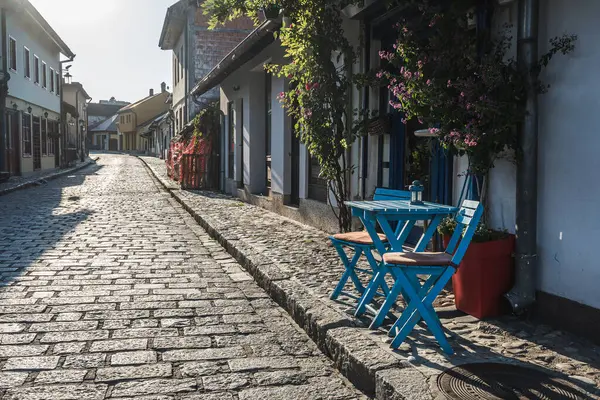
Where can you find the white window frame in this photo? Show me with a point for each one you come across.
(51, 80)
(26, 61)
(16, 56)
(44, 82)
(36, 71)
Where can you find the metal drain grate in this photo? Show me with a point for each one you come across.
(492, 381)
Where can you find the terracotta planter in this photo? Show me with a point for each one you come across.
(483, 277)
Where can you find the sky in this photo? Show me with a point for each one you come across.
(115, 42)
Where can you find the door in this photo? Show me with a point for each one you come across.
(113, 145)
(37, 145)
(295, 193)
(14, 144)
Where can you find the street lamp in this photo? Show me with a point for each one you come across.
(29, 109)
(46, 114)
(15, 106)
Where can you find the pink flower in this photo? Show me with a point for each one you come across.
(420, 64)
(449, 83)
(428, 82)
(434, 131)
(462, 94)
(404, 121)
(379, 75)
(468, 106)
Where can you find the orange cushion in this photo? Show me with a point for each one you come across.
(358, 237)
(418, 259)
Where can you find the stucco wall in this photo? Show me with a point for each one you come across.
(568, 181)
(24, 88)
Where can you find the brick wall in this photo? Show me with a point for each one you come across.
(210, 46)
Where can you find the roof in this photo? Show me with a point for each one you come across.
(108, 125)
(247, 49)
(175, 20)
(29, 9)
(103, 110)
(77, 86)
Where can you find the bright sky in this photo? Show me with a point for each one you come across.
(116, 43)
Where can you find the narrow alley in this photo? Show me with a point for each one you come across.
(110, 290)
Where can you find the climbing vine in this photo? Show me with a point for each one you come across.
(319, 64)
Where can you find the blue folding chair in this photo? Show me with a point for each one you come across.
(439, 267)
(361, 243)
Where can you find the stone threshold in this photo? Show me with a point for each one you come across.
(42, 178)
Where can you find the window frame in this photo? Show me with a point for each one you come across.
(44, 137)
(29, 136)
(44, 75)
(57, 82)
(51, 80)
(27, 62)
(52, 125)
(12, 58)
(36, 69)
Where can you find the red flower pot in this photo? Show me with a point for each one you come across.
(483, 277)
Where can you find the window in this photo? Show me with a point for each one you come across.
(51, 80)
(36, 69)
(268, 112)
(52, 129)
(27, 62)
(176, 68)
(57, 78)
(44, 76)
(181, 60)
(44, 137)
(122, 119)
(12, 55)
(26, 134)
(231, 133)
(317, 186)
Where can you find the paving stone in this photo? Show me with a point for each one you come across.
(12, 328)
(60, 376)
(280, 378)
(252, 363)
(81, 336)
(63, 326)
(84, 361)
(133, 372)
(154, 386)
(144, 332)
(58, 392)
(31, 363)
(133, 357)
(119, 345)
(203, 354)
(23, 350)
(68, 348)
(12, 379)
(201, 368)
(181, 342)
(224, 382)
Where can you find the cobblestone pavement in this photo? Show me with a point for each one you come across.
(303, 253)
(110, 290)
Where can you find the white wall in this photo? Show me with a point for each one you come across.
(569, 187)
(24, 88)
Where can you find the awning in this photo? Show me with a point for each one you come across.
(247, 49)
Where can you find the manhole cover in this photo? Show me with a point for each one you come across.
(492, 381)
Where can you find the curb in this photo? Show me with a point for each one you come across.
(369, 367)
(29, 184)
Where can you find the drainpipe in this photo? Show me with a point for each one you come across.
(366, 94)
(3, 90)
(522, 295)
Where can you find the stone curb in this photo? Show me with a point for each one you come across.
(369, 366)
(28, 184)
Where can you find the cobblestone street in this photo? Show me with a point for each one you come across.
(111, 290)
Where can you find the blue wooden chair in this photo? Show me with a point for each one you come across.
(362, 244)
(438, 267)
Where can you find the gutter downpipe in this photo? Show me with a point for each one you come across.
(522, 295)
(3, 90)
(366, 100)
(63, 137)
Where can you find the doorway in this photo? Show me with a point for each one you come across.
(13, 144)
(37, 146)
(295, 192)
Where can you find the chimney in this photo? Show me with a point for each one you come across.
(151, 92)
(163, 87)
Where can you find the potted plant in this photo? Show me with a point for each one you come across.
(460, 83)
(271, 11)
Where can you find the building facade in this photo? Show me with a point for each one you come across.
(196, 50)
(75, 120)
(31, 109)
(263, 162)
(135, 118)
(103, 113)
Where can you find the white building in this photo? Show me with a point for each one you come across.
(33, 105)
(256, 131)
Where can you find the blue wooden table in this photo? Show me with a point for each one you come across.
(382, 212)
